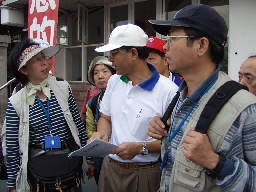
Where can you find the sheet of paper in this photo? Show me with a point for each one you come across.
(96, 148)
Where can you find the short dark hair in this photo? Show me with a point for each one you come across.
(143, 52)
(160, 53)
(216, 50)
(14, 57)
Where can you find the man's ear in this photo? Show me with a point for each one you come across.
(203, 46)
(165, 61)
(134, 52)
(24, 71)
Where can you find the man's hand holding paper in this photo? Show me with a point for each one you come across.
(128, 150)
(96, 148)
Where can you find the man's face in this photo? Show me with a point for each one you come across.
(159, 62)
(179, 55)
(247, 74)
(120, 61)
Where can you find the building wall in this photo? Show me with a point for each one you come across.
(242, 38)
(4, 41)
(79, 90)
(59, 70)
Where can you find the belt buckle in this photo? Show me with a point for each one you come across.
(135, 165)
(124, 165)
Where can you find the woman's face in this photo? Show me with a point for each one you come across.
(101, 75)
(36, 69)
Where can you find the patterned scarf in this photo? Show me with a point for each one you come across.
(33, 90)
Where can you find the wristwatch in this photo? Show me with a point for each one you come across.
(144, 149)
(214, 173)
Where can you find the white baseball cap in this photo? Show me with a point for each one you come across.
(125, 35)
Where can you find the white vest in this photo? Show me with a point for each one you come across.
(188, 176)
(60, 89)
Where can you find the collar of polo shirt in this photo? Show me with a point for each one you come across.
(148, 84)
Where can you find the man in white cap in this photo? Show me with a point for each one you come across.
(133, 96)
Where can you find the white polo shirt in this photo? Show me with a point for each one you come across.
(131, 108)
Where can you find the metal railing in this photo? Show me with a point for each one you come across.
(8, 83)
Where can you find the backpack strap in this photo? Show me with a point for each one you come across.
(59, 79)
(215, 104)
(19, 86)
(211, 109)
(94, 104)
(61, 92)
(169, 110)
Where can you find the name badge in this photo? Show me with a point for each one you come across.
(52, 142)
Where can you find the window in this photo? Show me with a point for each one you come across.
(62, 31)
(171, 7)
(96, 23)
(145, 10)
(74, 67)
(118, 16)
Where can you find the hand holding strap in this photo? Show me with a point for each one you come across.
(215, 172)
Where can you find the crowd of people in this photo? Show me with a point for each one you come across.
(149, 97)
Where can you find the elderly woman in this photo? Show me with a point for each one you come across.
(42, 125)
(100, 71)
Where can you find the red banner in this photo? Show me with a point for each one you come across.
(43, 21)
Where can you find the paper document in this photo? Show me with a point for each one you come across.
(96, 148)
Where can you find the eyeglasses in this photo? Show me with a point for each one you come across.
(171, 38)
(36, 59)
(112, 53)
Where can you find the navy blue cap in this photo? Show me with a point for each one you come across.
(197, 16)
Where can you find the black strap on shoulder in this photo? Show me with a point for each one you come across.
(94, 104)
(211, 109)
(169, 110)
(59, 79)
(216, 102)
(18, 87)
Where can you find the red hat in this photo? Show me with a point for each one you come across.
(156, 43)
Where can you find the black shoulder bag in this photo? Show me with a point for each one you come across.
(3, 171)
(55, 171)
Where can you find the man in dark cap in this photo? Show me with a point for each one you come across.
(223, 159)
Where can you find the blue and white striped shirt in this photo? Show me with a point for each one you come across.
(38, 129)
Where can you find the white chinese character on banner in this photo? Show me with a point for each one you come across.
(41, 5)
(40, 29)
